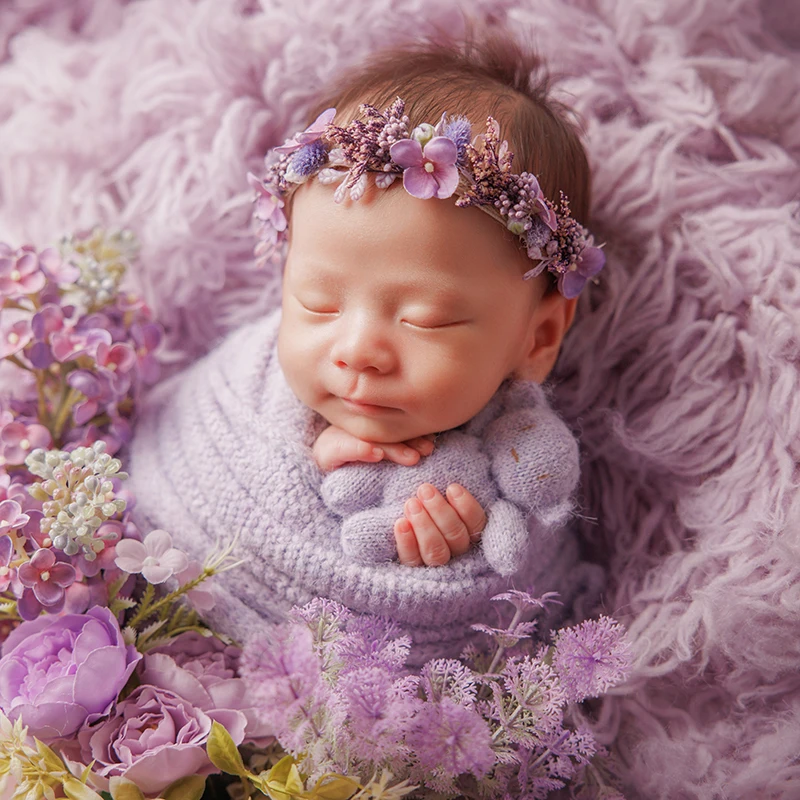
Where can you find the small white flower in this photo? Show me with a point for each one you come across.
(155, 558)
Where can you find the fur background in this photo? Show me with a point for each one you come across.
(681, 372)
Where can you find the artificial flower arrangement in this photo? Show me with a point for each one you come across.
(112, 687)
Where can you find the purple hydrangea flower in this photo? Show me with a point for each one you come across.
(47, 578)
(69, 343)
(17, 440)
(14, 336)
(20, 272)
(591, 657)
(11, 516)
(427, 173)
(590, 261)
(58, 673)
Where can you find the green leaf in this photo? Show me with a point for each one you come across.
(75, 790)
(50, 760)
(122, 789)
(335, 787)
(223, 753)
(188, 788)
(283, 781)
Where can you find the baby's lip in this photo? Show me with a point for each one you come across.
(366, 403)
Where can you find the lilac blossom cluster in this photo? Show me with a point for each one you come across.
(76, 352)
(334, 689)
(434, 161)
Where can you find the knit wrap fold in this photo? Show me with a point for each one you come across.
(224, 449)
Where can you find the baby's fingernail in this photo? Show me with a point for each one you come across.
(409, 453)
(377, 452)
(413, 506)
(454, 490)
(426, 491)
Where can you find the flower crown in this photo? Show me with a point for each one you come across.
(435, 161)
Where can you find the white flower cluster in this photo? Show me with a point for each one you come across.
(77, 494)
(102, 259)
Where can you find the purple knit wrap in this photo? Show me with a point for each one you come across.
(225, 448)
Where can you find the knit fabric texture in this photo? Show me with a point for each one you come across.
(224, 448)
(516, 457)
(679, 374)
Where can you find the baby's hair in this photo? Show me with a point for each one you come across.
(490, 75)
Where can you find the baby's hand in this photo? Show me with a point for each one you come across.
(434, 528)
(335, 447)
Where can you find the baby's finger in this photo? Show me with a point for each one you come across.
(446, 519)
(422, 444)
(468, 508)
(433, 548)
(406, 541)
(400, 453)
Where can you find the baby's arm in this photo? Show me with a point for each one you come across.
(335, 447)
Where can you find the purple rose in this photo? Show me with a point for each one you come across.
(204, 671)
(59, 673)
(153, 738)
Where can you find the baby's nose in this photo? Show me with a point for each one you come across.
(363, 348)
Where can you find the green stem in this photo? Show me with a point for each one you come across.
(67, 402)
(143, 611)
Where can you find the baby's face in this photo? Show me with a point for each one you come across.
(401, 317)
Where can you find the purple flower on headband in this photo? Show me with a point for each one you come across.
(590, 261)
(269, 205)
(310, 158)
(313, 132)
(459, 129)
(427, 173)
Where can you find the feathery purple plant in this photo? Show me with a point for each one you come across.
(335, 689)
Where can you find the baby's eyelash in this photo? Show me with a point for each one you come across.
(438, 326)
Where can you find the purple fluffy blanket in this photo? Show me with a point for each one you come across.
(680, 374)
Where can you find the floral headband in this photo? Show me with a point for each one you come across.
(435, 162)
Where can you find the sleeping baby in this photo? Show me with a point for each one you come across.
(384, 439)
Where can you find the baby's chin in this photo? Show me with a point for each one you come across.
(383, 428)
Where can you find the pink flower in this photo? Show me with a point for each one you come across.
(20, 272)
(7, 554)
(429, 172)
(18, 439)
(313, 132)
(14, 336)
(63, 272)
(269, 205)
(115, 362)
(155, 558)
(47, 578)
(590, 261)
(11, 516)
(154, 737)
(68, 343)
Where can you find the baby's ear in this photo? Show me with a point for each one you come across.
(549, 323)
